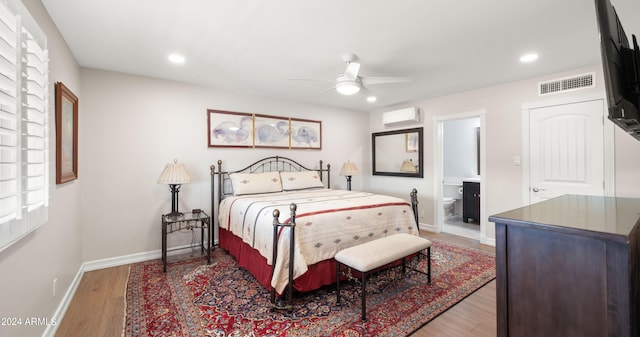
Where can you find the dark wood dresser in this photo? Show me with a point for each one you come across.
(569, 266)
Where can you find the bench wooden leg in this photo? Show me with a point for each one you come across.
(364, 292)
(404, 266)
(337, 282)
(429, 265)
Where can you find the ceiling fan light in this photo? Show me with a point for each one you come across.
(348, 88)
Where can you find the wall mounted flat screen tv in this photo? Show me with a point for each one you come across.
(620, 62)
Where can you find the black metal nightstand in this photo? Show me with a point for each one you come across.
(189, 220)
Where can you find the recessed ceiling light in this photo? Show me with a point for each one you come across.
(371, 99)
(176, 58)
(527, 58)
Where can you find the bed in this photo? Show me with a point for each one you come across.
(244, 204)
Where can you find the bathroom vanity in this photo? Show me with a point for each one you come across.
(569, 266)
(471, 200)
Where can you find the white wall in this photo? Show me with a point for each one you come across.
(627, 165)
(52, 251)
(132, 126)
(502, 179)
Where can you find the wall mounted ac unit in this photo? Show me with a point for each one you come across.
(405, 115)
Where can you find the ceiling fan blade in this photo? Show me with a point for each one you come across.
(364, 90)
(369, 80)
(326, 90)
(310, 79)
(352, 70)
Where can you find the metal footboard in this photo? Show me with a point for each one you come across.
(414, 207)
(277, 225)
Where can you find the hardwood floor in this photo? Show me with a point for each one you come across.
(98, 305)
(97, 308)
(473, 316)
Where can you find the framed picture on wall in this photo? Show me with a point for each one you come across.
(66, 134)
(306, 134)
(271, 131)
(411, 140)
(229, 129)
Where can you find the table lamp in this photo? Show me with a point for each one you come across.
(349, 169)
(174, 174)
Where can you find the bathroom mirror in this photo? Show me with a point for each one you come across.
(398, 153)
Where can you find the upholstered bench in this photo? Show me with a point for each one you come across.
(380, 252)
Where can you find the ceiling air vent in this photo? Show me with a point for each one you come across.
(567, 84)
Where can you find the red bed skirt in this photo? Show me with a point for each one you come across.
(318, 275)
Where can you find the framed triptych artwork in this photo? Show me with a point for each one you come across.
(239, 129)
(269, 131)
(230, 129)
(305, 134)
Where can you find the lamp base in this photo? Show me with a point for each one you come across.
(175, 189)
(175, 215)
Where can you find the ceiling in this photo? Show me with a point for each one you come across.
(257, 47)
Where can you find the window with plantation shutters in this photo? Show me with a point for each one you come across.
(24, 146)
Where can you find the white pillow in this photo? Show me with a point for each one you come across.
(292, 181)
(252, 183)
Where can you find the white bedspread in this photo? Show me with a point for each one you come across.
(327, 221)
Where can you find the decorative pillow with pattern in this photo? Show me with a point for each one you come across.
(293, 181)
(254, 183)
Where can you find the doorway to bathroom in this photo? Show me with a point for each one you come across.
(459, 162)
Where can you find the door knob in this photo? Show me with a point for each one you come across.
(535, 189)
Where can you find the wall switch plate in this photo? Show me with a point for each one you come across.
(516, 160)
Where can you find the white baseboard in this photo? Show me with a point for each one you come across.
(427, 227)
(51, 329)
(488, 241)
(483, 239)
(134, 258)
(121, 260)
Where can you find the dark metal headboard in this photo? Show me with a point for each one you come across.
(221, 183)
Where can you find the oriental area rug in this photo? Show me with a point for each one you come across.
(222, 299)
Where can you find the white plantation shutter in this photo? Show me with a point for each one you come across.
(35, 126)
(24, 125)
(8, 120)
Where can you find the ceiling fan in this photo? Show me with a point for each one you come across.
(350, 82)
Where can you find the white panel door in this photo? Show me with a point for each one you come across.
(566, 150)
